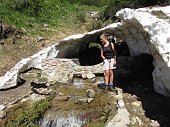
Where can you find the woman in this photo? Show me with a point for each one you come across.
(109, 60)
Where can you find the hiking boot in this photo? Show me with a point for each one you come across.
(111, 88)
(105, 89)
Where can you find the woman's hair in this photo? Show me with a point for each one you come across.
(102, 36)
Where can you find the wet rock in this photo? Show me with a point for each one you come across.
(90, 76)
(155, 124)
(84, 76)
(90, 93)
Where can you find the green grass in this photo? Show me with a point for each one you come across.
(57, 14)
(62, 17)
(26, 115)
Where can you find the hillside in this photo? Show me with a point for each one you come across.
(41, 24)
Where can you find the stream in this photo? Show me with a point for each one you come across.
(69, 113)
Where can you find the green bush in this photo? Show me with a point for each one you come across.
(99, 23)
(98, 3)
(31, 7)
(81, 17)
(93, 44)
(28, 116)
(116, 5)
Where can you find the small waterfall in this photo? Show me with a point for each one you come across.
(78, 82)
(70, 121)
(99, 80)
(71, 118)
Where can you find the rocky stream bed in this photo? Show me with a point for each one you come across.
(81, 102)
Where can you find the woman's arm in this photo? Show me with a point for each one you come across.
(113, 48)
(101, 50)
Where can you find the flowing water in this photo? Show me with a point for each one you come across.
(69, 121)
(68, 113)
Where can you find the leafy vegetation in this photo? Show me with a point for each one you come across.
(116, 5)
(57, 14)
(93, 44)
(65, 13)
(24, 115)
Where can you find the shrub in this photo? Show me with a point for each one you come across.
(27, 116)
(116, 5)
(81, 17)
(31, 7)
(93, 44)
(24, 115)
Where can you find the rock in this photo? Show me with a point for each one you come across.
(81, 100)
(84, 76)
(2, 107)
(90, 93)
(121, 104)
(23, 30)
(43, 91)
(155, 124)
(90, 75)
(137, 108)
(61, 98)
(45, 25)
(2, 112)
(90, 100)
(139, 121)
(35, 97)
(60, 94)
(39, 39)
(136, 120)
(41, 80)
(143, 32)
(24, 100)
(133, 120)
(122, 118)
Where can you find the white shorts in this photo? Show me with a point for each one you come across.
(109, 64)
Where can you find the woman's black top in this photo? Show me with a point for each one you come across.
(108, 51)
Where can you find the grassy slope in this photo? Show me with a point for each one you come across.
(59, 15)
(63, 19)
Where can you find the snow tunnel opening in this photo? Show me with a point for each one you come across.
(133, 66)
(86, 51)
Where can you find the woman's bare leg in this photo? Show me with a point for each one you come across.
(106, 72)
(106, 77)
(111, 77)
